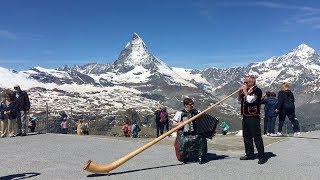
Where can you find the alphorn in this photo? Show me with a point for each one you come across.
(102, 169)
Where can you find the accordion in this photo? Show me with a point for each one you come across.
(205, 125)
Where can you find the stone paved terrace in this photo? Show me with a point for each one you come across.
(57, 156)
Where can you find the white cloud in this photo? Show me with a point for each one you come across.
(5, 34)
(8, 35)
(303, 15)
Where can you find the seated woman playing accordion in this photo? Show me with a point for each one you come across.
(191, 143)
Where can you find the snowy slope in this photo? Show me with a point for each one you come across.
(302, 62)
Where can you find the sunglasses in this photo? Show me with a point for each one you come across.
(245, 82)
(191, 104)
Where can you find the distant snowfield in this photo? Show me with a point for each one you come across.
(186, 74)
(98, 100)
(138, 75)
(11, 79)
(56, 73)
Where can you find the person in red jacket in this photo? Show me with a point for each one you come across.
(126, 130)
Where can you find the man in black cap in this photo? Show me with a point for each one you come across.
(22, 107)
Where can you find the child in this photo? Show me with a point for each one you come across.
(64, 126)
(32, 123)
(126, 130)
(85, 128)
(135, 130)
(271, 105)
(225, 127)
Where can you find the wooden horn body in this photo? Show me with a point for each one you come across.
(101, 169)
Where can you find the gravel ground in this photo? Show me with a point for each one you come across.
(55, 156)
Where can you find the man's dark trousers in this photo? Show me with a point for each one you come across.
(251, 131)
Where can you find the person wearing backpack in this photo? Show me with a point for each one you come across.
(285, 108)
(135, 129)
(85, 128)
(270, 112)
(164, 119)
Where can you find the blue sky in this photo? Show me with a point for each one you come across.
(182, 33)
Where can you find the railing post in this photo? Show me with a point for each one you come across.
(46, 123)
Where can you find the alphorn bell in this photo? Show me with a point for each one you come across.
(102, 169)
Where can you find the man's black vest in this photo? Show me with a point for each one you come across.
(251, 109)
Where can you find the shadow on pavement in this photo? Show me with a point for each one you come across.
(19, 176)
(209, 157)
(300, 137)
(136, 170)
(269, 155)
(212, 157)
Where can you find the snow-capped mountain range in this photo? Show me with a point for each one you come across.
(138, 79)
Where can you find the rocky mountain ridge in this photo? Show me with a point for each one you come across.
(138, 80)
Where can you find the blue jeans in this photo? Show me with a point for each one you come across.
(271, 123)
(22, 121)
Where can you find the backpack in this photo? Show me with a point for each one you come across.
(135, 128)
(288, 101)
(84, 127)
(164, 117)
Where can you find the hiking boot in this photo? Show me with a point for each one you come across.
(297, 134)
(23, 134)
(273, 135)
(262, 160)
(245, 157)
(279, 134)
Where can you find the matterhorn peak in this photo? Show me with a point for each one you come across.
(135, 54)
(136, 43)
(136, 36)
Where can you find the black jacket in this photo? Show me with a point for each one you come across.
(11, 107)
(283, 98)
(157, 116)
(22, 101)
